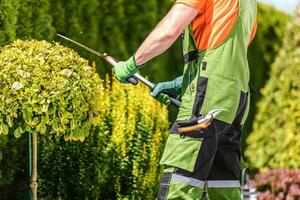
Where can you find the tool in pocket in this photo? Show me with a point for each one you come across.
(201, 123)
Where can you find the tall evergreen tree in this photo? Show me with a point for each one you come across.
(42, 21)
(111, 37)
(73, 20)
(90, 29)
(111, 28)
(58, 14)
(8, 20)
(141, 17)
(25, 24)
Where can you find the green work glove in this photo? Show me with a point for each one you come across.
(124, 69)
(164, 90)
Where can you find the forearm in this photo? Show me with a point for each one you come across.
(155, 44)
(165, 33)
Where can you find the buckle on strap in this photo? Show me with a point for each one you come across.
(190, 56)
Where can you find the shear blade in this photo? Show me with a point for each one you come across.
(214, 113)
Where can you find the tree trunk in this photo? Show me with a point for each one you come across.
(33, 179)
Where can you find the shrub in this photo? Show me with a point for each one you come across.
(262, 53)
(275, 140)
(47, 89)
(277, 184)
(119, 160)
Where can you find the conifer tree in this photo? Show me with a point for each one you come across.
(8, 20)
(42, 21)
(58, 14)
(73, 20)
(111, 28)
(25, 24)
(90, 29)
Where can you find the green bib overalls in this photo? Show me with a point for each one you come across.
(216, 78)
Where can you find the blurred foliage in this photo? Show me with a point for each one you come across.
(279, 184)
(275, 141)
(48, 89)
(261, 54)
(117, 161)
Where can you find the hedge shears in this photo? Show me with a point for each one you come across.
(201, 123)
(134, 79)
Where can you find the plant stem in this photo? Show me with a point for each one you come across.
(33, 179)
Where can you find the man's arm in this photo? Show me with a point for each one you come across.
(161, 38)
(165, 33)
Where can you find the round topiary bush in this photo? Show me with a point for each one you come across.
(47, 89)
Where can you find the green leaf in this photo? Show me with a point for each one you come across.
(4, 129)
(17, 133)
(28, 128)
(27, 116)
(10, 120)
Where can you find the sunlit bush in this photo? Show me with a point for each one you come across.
(47, 89)
(275, 140)
(117, 161)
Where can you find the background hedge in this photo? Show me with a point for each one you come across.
(275, 141)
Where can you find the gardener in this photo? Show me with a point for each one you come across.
(216, 76)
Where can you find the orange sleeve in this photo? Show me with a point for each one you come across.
(253, 33)
(197, 4)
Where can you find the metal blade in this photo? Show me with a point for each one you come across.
(83, 46)
(215, 112)
(112, 61)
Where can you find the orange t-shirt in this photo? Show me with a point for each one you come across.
(214, 22)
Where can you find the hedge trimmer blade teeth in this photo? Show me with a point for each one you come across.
(134, 79)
